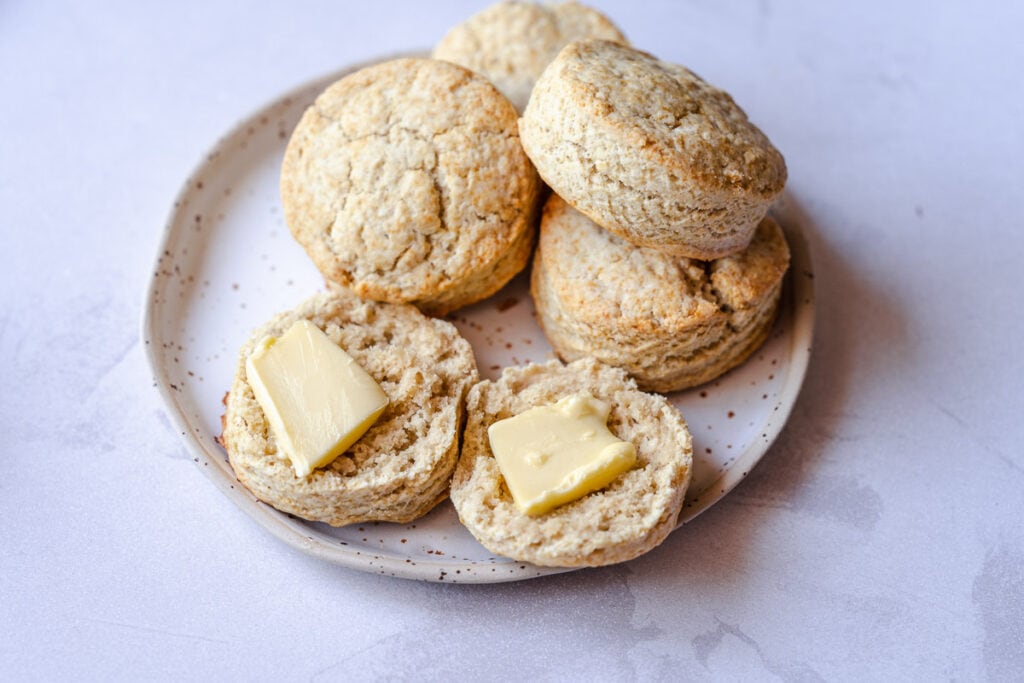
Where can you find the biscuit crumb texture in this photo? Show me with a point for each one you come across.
(406, 182)
(650, 151)
(670, 322)
(629, 517)
(400, 468)
(511, 43)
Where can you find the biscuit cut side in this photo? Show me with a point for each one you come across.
(626, 519)
(650, 151)
(406, 182)
(671, 323)
(401, 467)
(510, 43)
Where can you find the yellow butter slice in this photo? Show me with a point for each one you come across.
(317, 398)
(552, 455)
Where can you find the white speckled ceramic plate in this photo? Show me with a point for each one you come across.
(227, 262)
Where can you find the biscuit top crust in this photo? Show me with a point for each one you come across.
(669, 113)
(406, 176)
(604, 278)
(512, 42)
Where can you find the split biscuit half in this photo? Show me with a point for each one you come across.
(401, 467)
(620, 522)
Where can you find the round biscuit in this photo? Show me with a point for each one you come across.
(511, 42)
(406, 182)
(650, 151)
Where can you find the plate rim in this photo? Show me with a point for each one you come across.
(292, 531)
(800, 282)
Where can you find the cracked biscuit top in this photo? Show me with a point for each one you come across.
(406, 182)
(650, 151)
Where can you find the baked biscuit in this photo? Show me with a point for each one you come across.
(511, 42)
(400, 468)
(627, 518)
(406, 182)
(650, 151)
(670, 322)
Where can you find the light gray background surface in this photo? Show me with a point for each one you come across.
(880, 537)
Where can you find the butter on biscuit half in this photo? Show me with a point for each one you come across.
(616, 523)
(400, 468)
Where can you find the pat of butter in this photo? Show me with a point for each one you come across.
(318, 400)
(552, 455)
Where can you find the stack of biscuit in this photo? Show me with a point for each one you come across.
(415, 184)
(655, 254)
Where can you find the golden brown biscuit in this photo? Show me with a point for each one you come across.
(511, 42)
(670, 322)
(650, 151)
(406, 182)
